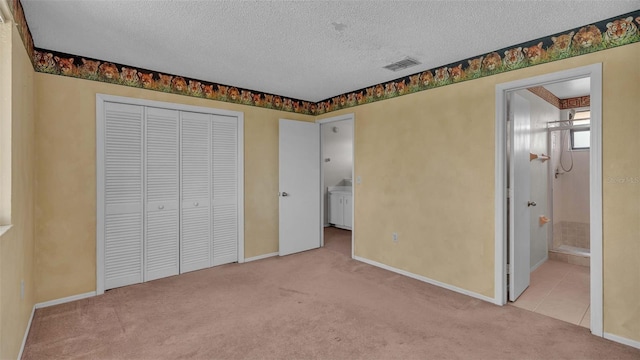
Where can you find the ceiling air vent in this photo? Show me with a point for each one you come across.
(402, 64)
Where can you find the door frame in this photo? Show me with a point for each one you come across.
(100, 100)
(594, 72)
(351, 117)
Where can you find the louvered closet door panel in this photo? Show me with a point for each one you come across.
(123, 194)
(225, 189)
(195, 198)
(162, 194)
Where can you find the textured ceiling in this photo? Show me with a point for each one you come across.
(309, 50)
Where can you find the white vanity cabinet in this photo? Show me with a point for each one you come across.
(340, 209)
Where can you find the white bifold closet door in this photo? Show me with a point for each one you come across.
(161, 245)
(123, 194)
(225, 189)
(169, 199)
(195, 244)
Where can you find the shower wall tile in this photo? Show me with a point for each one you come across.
(571, 233)
(584, 235)
(557, 240)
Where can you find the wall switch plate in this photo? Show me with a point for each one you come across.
(358, 179)
(395, 237)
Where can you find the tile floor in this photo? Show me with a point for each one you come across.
(559, 290)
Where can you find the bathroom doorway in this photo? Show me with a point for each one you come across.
(559, 134)
(534, 120)
(337, 170)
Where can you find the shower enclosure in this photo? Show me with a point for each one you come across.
(569, 179)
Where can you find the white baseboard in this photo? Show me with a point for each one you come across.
(65, 300)
(26, 332)
(47, 304)
(425, 279)
(260, 257)
(622, 340)
(540, 262)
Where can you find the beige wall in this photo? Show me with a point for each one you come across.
(66, 188)
(17, 244)
(427, 167)
(621, 202)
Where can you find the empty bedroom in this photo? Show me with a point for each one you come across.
(319, 179)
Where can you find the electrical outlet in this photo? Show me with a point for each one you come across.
(395, 237)
(21, 289)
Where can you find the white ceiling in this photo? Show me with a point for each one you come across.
(570, 89)
(309, 50)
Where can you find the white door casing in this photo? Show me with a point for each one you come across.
(161, 245)
(299, 192)
(519, 199)
(356, 180)
(594, 73)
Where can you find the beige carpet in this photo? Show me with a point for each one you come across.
(319, 304)
(338, 240)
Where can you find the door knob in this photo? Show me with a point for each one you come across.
(531, 203)
(161, 207)
(284, 194)
(196, 203)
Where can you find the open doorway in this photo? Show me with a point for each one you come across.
(336, 139)
(559, 145)
(531, 200)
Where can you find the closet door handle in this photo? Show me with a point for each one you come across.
(160, 207)
(196, 203)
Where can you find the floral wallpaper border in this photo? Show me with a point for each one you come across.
(605, 34)
(602, 35)
(53, 62)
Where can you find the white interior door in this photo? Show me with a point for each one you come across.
(123, 194)
(299, 186)
(520, 191)
(195, 244)
(161, 248)
(224, 199)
